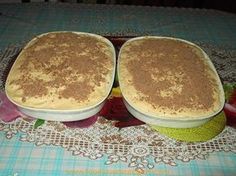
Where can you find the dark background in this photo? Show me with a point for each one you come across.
(224, 5)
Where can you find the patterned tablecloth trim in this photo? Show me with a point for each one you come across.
(140, 147)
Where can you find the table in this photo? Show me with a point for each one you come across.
(53, 149)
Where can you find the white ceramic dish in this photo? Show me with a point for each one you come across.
(165, 121)
(69, 115)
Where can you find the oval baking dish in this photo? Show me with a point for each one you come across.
(62, 76)
(169, 82)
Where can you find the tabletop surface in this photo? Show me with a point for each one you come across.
(53, 149)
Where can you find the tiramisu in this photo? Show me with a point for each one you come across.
(169, 78)
(62, 71)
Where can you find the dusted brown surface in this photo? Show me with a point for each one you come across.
(61, 66)
(169, 77)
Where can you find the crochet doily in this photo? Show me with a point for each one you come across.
(140, 147)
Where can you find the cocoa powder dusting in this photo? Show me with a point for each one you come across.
(171, 75)
(78, 91)
(64, 60)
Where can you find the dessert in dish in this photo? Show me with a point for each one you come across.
(62, 71)
(168, 78)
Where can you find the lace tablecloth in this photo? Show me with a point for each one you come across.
(102, 149)
(139, 148)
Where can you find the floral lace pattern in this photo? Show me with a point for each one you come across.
(140, 147)
(224, 61)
